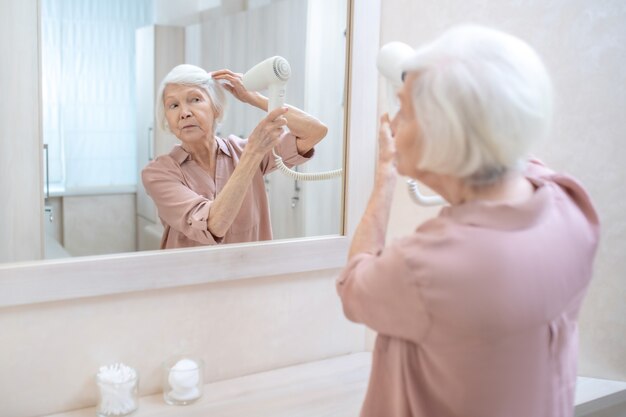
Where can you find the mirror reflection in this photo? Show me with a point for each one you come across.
(209, 189)
(102, 64)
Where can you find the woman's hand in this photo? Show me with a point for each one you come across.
(386, 145)
(265, 135)
(234, 85)
(369, 236)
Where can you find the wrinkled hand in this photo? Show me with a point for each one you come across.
(234, 85)
(265, 135)
(386, 143)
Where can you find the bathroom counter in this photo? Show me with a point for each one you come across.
(328, 388)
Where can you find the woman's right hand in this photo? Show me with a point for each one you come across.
(386, 144)
(266, 134)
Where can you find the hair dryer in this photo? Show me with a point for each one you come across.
(390, 62)
(390, 59)
(271, 74)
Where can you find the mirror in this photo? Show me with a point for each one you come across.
(33, 282)
(98, 134)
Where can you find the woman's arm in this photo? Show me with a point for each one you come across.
(192, 214)
(228, 202)
(373, 286)
(369, 236)
(307, 129)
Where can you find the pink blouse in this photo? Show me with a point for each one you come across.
(476, 311)
(183, 193)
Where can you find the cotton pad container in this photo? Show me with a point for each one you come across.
(182, 380)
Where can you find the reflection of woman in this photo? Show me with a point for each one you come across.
(210, 189)
(476, 309)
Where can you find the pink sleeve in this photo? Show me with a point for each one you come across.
(574, 189)
(179, 207)
(288, 151)
(379, 292)
(535, 168)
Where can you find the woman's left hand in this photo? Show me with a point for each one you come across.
(234, 85)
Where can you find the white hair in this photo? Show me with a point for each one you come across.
(186, 74)
(482, 99)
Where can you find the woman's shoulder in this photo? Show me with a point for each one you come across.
(448, 237)
(436, 233)
(566, 185)
(233, 143)
(165, 164)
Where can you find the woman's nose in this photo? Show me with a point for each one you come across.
(184, 113)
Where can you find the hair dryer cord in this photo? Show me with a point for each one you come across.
(424, 200)
(304, 176)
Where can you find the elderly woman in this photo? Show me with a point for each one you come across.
(208, 189)
(476, 309)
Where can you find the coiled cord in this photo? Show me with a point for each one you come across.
(305, 176)
(423, 200)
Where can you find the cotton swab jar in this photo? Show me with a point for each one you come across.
(182, 380)
(117, 390)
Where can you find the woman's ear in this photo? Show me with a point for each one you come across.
(217, 119)
(217, 115)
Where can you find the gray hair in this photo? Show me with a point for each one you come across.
(191, 75)
(482, 99)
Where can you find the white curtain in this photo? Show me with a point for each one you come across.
(88, 90)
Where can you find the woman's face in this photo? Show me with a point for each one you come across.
(189, 112)
(405, 129)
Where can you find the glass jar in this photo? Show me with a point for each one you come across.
(183, 378)
(116, 399)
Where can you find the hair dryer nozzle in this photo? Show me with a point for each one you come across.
(390, 59)
(281, 67)
(269, 71)
(271, 74)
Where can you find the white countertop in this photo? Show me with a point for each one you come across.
(593, 394)
(328, 388)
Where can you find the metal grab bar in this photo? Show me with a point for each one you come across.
(45, 151)
(150, 144)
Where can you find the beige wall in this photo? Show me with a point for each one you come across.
(584, 46)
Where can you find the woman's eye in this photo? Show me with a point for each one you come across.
(195, 99)
(173, 106)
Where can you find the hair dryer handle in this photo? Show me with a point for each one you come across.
(276, 93)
